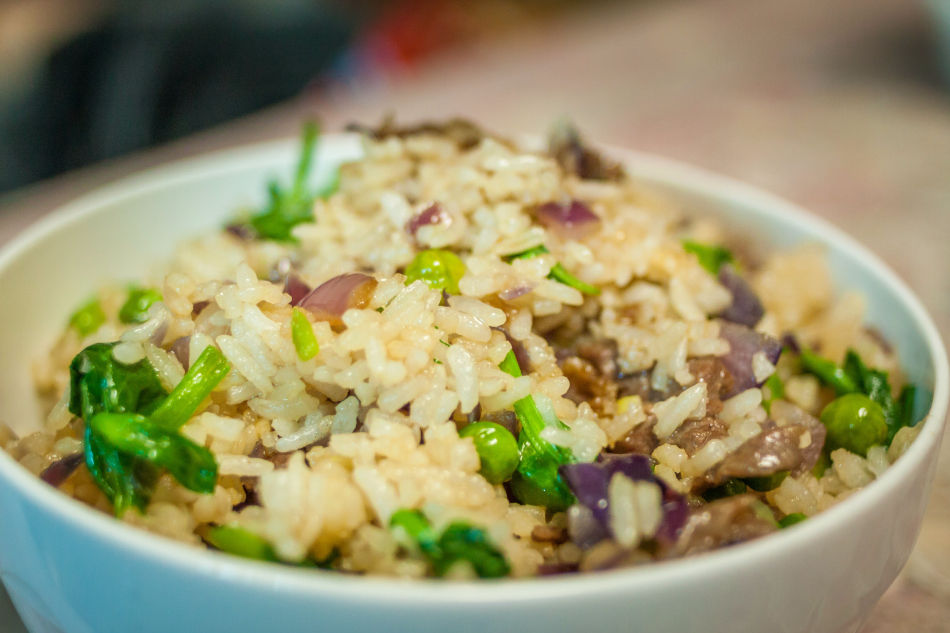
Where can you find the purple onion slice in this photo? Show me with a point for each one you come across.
(297, 288)
(745, 309)
(572, 220)
(329, 300)
(744, 343)
(433, 214)
(60, 470)
(589, 483)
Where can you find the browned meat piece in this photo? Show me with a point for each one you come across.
(772, 451)
(712, 371)
(692, 435)
(589, 385)
(506, 418)
(551, 569)
(601, 353)
(724, 522)
(639, 440)
(788, 414)
(568, 149)
(548, 534)
(465, 133)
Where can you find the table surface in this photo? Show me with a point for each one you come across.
(834, 105)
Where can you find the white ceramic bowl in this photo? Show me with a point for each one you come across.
(71, 569)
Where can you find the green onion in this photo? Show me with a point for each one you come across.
(537, 480)
(240, 542)
(710, 256)
(776, 391)
(791, 519)
(558, 272)
(87, 318)
(766, 482)
(193, 466)
(135, 308)
(126, 480)
(196, 385)
(305, 341)
(829, 373)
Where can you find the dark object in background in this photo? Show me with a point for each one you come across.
(154, 71)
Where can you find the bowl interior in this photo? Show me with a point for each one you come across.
(123, 230)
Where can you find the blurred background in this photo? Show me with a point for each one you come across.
(841, 106)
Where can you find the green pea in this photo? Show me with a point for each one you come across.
(440, 269)
(88, 317)
(854, 422)
(497, 450)
(135, 308)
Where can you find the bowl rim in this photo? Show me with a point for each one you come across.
(395, 592)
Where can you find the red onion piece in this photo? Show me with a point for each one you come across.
(181, 348)
(584, 529)
(572, 220)
(60, 470)
(431, 215)
(509, 294)
(158, 336)
(589, 483)
(745, 309)
(675, 515)
(296, 288)
(329, 300)
(790, 341)
(242, 231)
(744, 343)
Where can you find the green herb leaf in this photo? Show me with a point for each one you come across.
(288, 208)
(193, 466)
(558, 272)
(305, 341)
(459, 542)
(135, 308)
(413, 529)
(199, 381)
(907, 402)
(711, 257)
(87, 318)
(99, 383)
